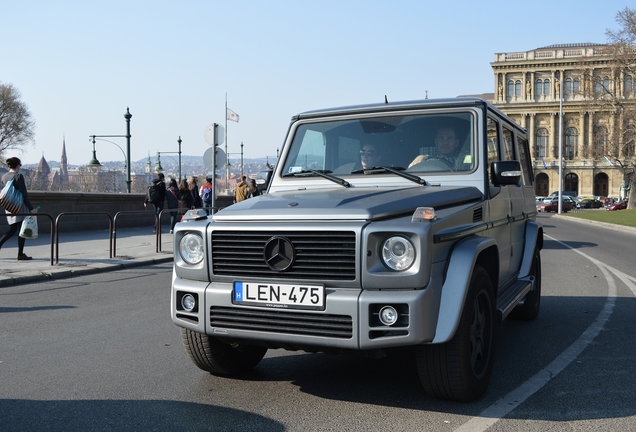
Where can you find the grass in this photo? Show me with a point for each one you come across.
(618, 217)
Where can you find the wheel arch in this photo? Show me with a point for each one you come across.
(466, 254)
(533, 241)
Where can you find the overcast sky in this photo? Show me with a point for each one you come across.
(79, 65)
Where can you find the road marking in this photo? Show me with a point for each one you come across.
(512, 400)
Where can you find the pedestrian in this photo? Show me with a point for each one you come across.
(156, 195)
(194, 189)
(252, 190)
(206, 195)
(172, 198)
(240, 193)
(15, 222)
(185, 196)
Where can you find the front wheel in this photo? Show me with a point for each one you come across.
(460, 369)
(220, 358)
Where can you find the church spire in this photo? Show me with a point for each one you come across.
(63, 162)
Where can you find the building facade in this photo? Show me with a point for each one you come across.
(597, 155)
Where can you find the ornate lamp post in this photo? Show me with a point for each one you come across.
(179, 152)
(95, 163)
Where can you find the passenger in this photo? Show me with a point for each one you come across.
(370, 156)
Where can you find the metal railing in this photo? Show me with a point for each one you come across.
(57, 232)
(53, 230)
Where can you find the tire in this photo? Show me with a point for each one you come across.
(220, 358)
(529, 307)
(460, 369)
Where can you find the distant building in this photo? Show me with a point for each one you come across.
(527, 87)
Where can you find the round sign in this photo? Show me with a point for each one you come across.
(209, 134)
(220, 159)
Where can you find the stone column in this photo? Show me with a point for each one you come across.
(579, 144)
(531, 136)
(590, 130)
(551, 144)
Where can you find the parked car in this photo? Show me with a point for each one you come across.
(552, 205)
(571, 200)
(608, 201)
(618, 206)
(540, 199)
(590, 203)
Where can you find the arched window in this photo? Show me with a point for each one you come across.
(598, 87)
(568, 86)
(539, 87)
(546, 87)
(628, 84)
(542, 143)
(511, 88)
(571, 143)
(518, 88)
(575, 85)
(606, 84)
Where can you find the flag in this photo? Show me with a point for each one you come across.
(231, 115)
(609, 162)
(544, 164)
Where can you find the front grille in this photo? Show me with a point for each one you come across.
(295, 323)
(322, 255)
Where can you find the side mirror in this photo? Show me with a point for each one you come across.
(505, 172)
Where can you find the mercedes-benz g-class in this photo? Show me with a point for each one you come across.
(407, 224)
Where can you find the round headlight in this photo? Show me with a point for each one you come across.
(188, 302)
(191, 249)
(398, 253)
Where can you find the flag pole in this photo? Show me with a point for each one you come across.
(227, 158)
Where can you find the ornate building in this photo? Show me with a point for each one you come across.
(597, 155)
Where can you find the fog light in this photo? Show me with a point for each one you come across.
(388, 315)
(188, 303)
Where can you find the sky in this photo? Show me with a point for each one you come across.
(79, 65)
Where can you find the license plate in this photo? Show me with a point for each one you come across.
(279, 295)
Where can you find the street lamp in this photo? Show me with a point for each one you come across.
(560, 207)
(95, 163)
(179, 153)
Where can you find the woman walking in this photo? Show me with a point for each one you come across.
(15, 222)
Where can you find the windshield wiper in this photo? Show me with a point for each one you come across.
(394, 170)
(321, 173)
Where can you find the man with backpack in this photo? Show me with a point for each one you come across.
(156, 195)
(206, 195)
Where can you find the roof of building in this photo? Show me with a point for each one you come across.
(572, 45)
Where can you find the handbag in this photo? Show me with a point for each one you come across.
(10, 197)
(29, 228)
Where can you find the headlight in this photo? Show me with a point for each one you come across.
(398, 253)
(191, 249)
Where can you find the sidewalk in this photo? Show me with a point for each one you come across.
(81, 252)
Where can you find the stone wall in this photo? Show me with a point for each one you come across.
(55, 203)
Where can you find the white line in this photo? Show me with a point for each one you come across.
(505, 405)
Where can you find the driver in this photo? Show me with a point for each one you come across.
(446, 142)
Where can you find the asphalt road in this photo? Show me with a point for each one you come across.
(99, 352)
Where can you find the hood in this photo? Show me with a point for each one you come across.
(347, 204)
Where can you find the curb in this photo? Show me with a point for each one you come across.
(25, 277)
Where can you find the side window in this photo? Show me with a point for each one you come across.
(493, 143)
(524, 159)
(508, 145)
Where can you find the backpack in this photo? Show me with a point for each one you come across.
(206, 195)
(154, 193)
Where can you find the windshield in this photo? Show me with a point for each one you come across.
(417, 143)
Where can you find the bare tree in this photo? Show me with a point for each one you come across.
(623, 53)
(16, 125)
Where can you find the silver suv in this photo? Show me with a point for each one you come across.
(406, 224)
